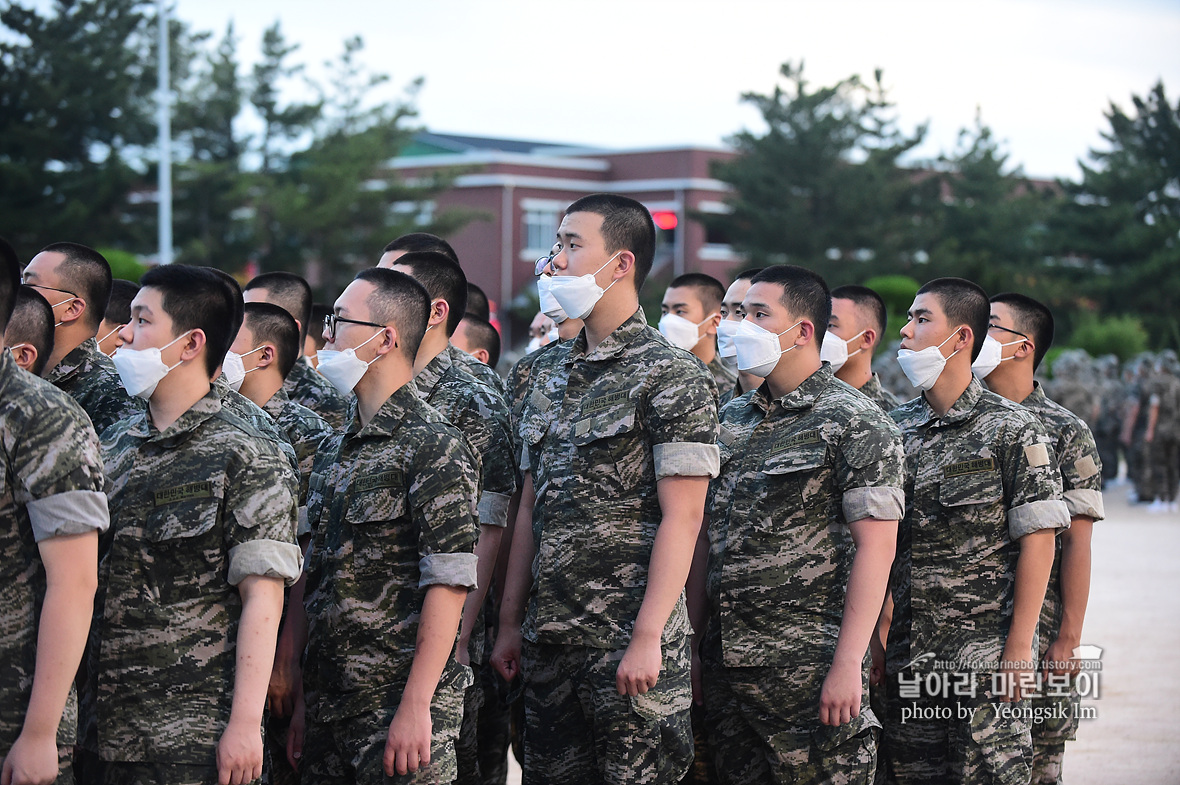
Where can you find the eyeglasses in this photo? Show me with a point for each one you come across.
(331, 321)
(52, 289)
(1007, 330)
(545, 261)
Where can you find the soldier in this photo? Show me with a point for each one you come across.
(52, 510)
(983, 500)
(854, 333)
(303, 384)
(481, 414)
(1110, 415)
(76, 281)
(731, 316)
(802, 531)
(478, 338)
(477, 303)
(392, 505)
(542, 332)
(1022, 322)
(29, 335)
(1134, 426)
(315, 334)
(202, 541)
(620, 432)
(692, 311)
(1162, 437)
(117, 314)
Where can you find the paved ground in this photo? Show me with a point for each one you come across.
(1134, 615)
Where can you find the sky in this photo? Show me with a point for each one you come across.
(657, 73)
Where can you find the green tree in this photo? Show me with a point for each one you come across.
(1120, 227)
(822, 186)
(280, 124)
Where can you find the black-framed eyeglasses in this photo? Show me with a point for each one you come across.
(52, 289)
(332, 320)
(1007, 330)
(545, 261)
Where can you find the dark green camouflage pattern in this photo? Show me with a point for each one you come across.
(194, 510)
(482, 371)
(393, 508)
(48, 447)
(236, 403)
(308, 388)
(724, 376)
(600, 429)
(873, 390)
(89, 376)
(305, 431)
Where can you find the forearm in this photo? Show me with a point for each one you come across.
(868, 582)
(441, 609)
(518, 574)
(682, 500)
(1033, 566)
(1075, 578)
(61, 639)
(500, 575)
(695, 595)
(262, 605)
(487, 548)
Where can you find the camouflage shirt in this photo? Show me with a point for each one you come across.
(305, 431)
(795, 472)
(308, 388)
(393, 508)
(50, 485)
(519, 387)
(977, 480)
(1165, 393)
(90, 378)
(236, 403)
(482, 371)
(723, 376)
(481, 415)
(873, 390)
(195, 510)
(1081, 475)
(601, 428)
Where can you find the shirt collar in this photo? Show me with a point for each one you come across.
(802, 397)
(199, 412)
(960, 411)
(1037, 396)
(389, 416)
(428, 378)
(612, 345)
(275, 405)
(82, 354)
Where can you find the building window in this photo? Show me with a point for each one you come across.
(540, 230)
(422, 213)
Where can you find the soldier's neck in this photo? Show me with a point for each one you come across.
(706, 349)
(259, 388)
(855, 374)
(66, 339)
(1010, 384)
(434, 343)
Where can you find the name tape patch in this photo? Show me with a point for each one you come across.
(974, 466)
(604, 402)
(390, 479)
(183, 493)
(798, 440)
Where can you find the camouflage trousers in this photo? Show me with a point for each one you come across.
(1049, 736)
(701, 772)
(1162, 469)
(761, 731)
(124, 773)
(467, 745)
(352, 750)
(275, 768)
(493, 732)
(578, 729)
(957, 739)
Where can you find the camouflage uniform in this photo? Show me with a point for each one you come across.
(977, 479)
(51, 486)
(392, 505)
(1081, 475)
(481, 415)
(308, 388)
(305, 431)
(90, 378)
(601, 428)
(796, 471)
(195, 510)
(482, 371)
(1163, 458)
(1110, 416)
(723, 376)
(873, 390)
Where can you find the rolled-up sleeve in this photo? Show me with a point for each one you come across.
(447, 569)
(493, 509)
(1036, 515)
(686, 459)
(268, 558)
(1084, 501)
(72, 512)
(884, 503)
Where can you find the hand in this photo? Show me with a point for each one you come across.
(506, 654)
(296, 729)
(877, 654)
(839, 700)
(280, 692)
(1059, 658)
(1017, 672)
(32, 760)
(640, 668)
(462, 655)
(239, 753)
(408, 746)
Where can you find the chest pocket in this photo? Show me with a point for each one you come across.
(376, 498)
(185, 512)
(605, 426)
(963, 484)
(798, 465)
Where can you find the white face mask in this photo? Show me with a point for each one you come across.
(680, 331)
(535, 343)
(548, 304)
(552, 335)
(923, 367)
(758, 349)
(726, 329)
(835, 349)
(578, 294)
(233, 369)
(343, 369)
(991, 354)
(140, 370)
